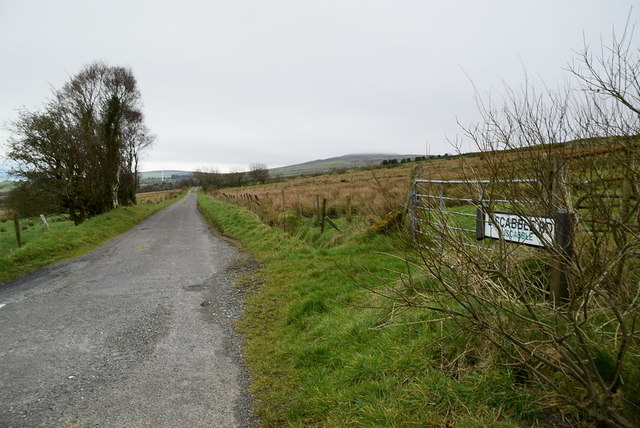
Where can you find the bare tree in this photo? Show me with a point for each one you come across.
(579, 151)
(259, 172)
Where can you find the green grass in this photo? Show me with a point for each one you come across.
(64, 240)
(324, 351)
(30, 229)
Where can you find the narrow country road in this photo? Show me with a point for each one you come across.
(137, 333)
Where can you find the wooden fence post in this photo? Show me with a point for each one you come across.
(412, 201)
(625, 202)
(480, 210)
(560, 284)
(317, 214)
(323, 211)
(559, 277)
(16, 224)
(44, 221)
(443, 225)
(348, 209)
(283, 220)
(335, 226)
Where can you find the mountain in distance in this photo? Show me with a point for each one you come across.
(337, 164)
(318, 166)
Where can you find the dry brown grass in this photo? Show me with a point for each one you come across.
(157, 197)
(374, 192)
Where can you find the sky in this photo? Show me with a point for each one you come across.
(226, 84)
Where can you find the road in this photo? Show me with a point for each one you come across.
(137, 333)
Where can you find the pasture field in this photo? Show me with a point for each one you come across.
(157, 197)
(371, 193)
(329, 338)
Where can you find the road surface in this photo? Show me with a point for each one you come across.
(138, 333)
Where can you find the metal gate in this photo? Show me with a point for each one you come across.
(471, 212)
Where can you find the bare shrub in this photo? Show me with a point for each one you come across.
(577, 346)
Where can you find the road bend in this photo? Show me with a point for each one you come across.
(137, 333)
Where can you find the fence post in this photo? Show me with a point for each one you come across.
(411, 208)
(316, 220)
(625, 202)
(412, 201)
(563, 234)
(480, 222)
(442, 220)
(44, 221)
(323, 214)
(349, 209)
(559, 277)
(480, 213)
(16, 224)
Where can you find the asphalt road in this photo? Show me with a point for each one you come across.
(138, 333)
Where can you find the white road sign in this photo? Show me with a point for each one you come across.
(520, 229)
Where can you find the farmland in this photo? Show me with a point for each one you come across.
(326, 349)
(337, 326)
(372, 192)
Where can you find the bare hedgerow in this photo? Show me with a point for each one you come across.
(580, 149)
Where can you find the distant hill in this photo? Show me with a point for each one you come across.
(336, 164)
(319, 166)
(147, 175)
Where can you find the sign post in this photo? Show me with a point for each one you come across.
(544, 232)
(526, 230)
(559, 277)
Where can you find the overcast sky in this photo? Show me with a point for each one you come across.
(233, 82)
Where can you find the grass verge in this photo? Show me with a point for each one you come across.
(325, 351)
(64, 240)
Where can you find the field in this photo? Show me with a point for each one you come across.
(340, 324)
(371, 193)
(157, 197)
(324, 347)
(326, 350)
